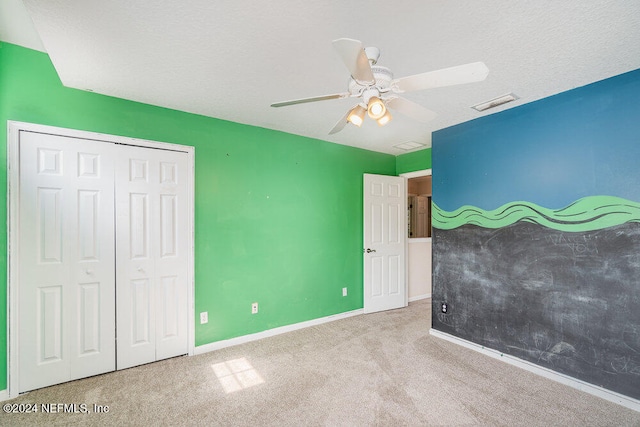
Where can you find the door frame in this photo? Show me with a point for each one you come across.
(13, 219)
(408, 175)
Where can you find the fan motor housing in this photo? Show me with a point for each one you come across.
(382, 75)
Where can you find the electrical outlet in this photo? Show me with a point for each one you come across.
(344, 292)
(444, 307)
(204, 317)
(254, 308)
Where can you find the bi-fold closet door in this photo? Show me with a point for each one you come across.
(103, 257)
(151, 255)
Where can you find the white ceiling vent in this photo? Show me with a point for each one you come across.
(495, 102)
(409, 145)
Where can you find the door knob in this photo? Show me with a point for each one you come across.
(370, 250)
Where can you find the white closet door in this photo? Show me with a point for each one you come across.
(66, 256)
(152, 255)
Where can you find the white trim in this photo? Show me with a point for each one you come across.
(95, 136)
(191, 295)
(600, 392)
(206, 348)
(419, 297)
(13, 179)
(407, 176)
(4, 395)
(417, 174)
(13, 191)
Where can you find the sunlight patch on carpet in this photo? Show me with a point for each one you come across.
(237, 374)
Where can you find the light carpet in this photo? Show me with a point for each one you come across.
(380, 369)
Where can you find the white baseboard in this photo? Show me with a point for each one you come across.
(600, 392)
(272, 332)
(419, 297)
(4, 395)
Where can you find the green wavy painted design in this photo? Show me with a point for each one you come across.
(586, 214)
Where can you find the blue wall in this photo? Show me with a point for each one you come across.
(556, 287)
(579, 143)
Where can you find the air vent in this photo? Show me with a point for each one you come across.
(495, 102)
(409, 145)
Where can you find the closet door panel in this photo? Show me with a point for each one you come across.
(66, 289)
(135, 263)
(172, 256)
(152, 255)
(94, 248)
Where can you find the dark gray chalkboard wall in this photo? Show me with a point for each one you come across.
(565, 301)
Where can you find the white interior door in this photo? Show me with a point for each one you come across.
(66, 295)
(385, 229)
(152, 255)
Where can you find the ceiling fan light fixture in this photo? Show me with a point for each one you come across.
(356, 115)
(386, 118)
(377, 90)
(376, 108)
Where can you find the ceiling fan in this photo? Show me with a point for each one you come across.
(377, 89)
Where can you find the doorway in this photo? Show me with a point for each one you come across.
(100, 227)
(419, 259)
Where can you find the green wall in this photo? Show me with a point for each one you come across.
(414, 161)
(278, 217)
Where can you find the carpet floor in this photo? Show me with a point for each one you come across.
(380, 369)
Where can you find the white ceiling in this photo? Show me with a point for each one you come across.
(231, 59)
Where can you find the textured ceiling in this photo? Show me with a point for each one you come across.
(232, 59)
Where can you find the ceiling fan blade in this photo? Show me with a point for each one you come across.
(341, 124)
(411, 109)
(312, 99)
(468, 73)
(354, 57)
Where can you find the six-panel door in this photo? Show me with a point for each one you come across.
(385, 229)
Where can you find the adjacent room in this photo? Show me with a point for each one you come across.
(282, 213)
